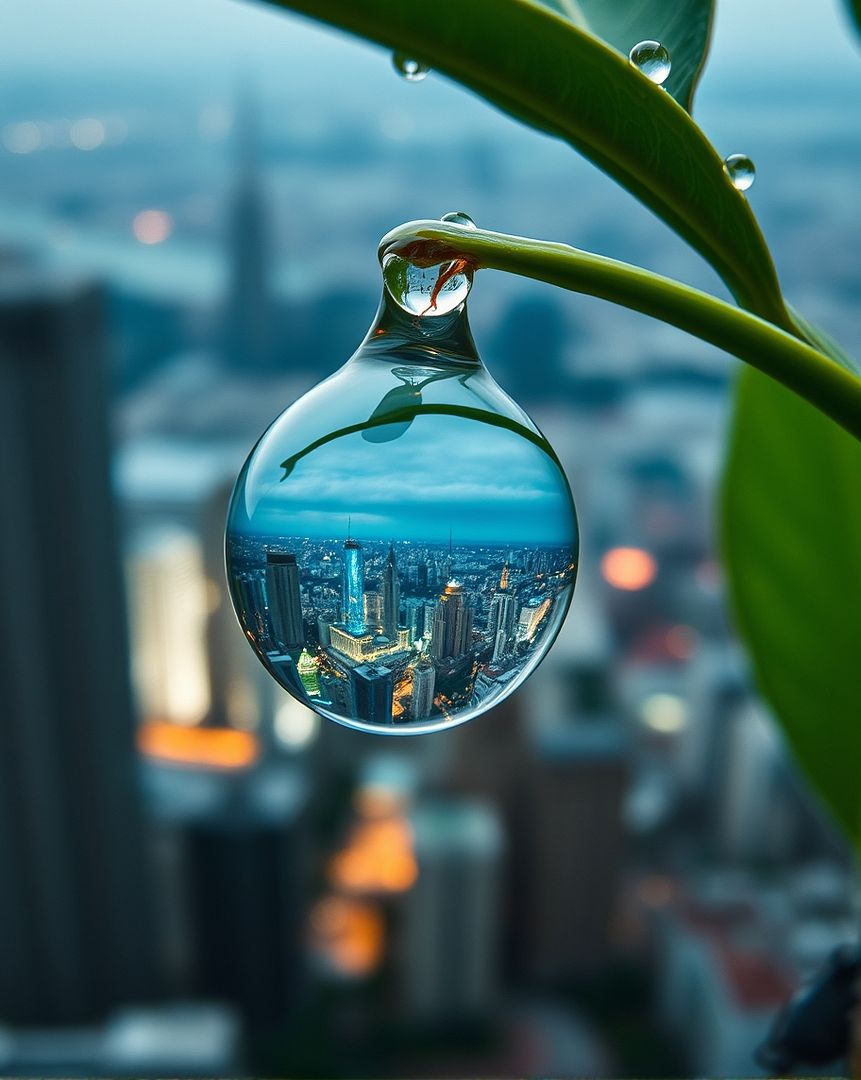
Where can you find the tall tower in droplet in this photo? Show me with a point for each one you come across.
(353, 587)
(248, 333)
(391, 596)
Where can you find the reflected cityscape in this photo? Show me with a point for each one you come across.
(413, 634)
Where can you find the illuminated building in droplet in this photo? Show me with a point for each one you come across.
(531, 615)
(353, 587)
(452, 625)
(307, 667)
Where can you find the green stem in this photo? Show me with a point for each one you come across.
(799, 366)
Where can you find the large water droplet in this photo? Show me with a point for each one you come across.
(427, 290)
(653, 59)
(402, 543)
(741, 171)
(458, 217)
(409, 68)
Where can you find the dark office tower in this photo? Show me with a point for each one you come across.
(452, 625)
(248, 317)
(244, 856)
(372, 687)
(422, 576)
(353, 587)
(282, 593)
(76, 926)
(391, 596)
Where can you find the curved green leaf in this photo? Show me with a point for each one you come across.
(853, 7)
(683, 26)
(538, 66)
(791, 533)
(802, 367)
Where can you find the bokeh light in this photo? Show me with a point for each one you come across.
(629, 568)
(152, 226)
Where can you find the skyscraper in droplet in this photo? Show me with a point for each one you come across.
(452, 626)
(372, 687)
(282, 594)
(424, 681)
(391, 593)
(353, 587)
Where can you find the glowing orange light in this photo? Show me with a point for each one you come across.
(378, 859)
(152, 226)
(349, 933)
(628, 568)
(208, 748)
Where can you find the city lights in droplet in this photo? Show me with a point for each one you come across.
(665, 713)
(629, 568)
(152, 226)
(88, 133)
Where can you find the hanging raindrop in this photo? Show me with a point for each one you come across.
(741, 171)
(653, 59)
(402, 542)
(409, 68)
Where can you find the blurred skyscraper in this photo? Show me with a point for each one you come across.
(249, 310)
(76, 923)
(450, 950)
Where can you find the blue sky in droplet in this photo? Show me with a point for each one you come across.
(487, 484)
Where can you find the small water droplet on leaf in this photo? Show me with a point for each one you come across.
(653, 59)
(409, 68)
(740, 170)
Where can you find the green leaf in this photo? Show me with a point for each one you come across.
(807, 369)
(791, 532)
(683, 26)
(853, 7)
(541, 68)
